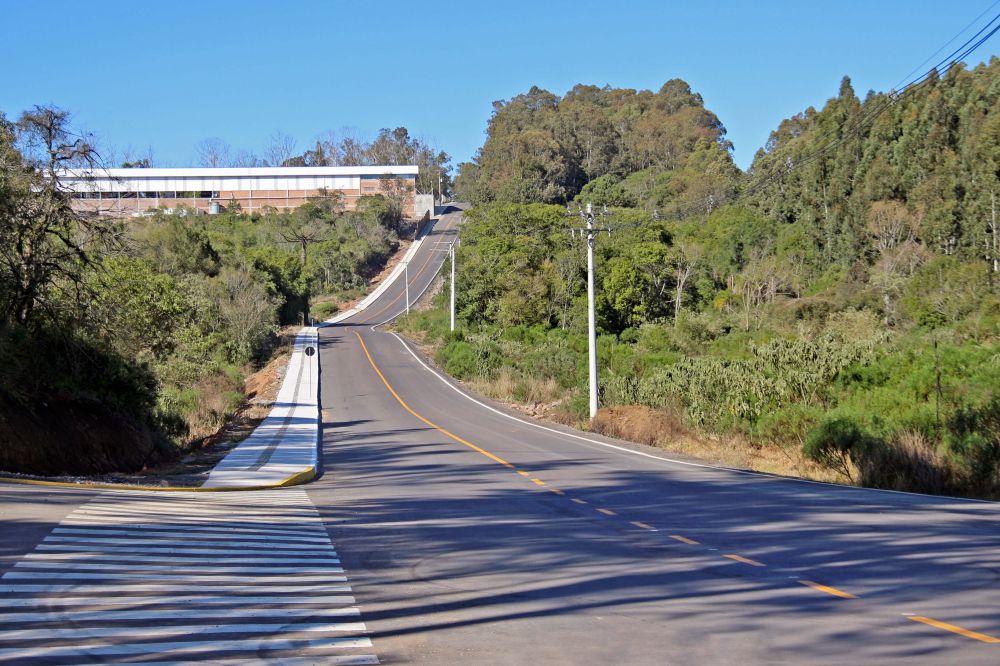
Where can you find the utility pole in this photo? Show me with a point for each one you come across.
(591, 232)
(591, 316)
(452, 251)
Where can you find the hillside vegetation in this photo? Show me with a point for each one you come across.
(840, 298)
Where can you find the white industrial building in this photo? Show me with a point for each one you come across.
(135, 191)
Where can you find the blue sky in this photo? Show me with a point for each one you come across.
(165, 75)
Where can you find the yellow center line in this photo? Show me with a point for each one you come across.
(829, 590)
(431, 424)
(523, 473)
(608, 512)
(557, 491)
(641, 525)
(683, 539)
(538, 482)
(579, 501)
(953, 629)
(745, 560)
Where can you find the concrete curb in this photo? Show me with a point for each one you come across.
(284, 448)
(296, 479)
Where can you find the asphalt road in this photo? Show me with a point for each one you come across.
(470, 536)
(473, 536)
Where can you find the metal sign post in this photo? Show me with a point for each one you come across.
(309, 352)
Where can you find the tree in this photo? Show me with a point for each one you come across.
(213, 152)
(310, 223)
(280, 147)
(46, 246)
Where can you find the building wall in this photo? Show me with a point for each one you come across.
(123, 192)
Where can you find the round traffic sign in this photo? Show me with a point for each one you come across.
(310, 351)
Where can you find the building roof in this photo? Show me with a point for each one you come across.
(242, 172)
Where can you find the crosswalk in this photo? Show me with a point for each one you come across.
(167, 578)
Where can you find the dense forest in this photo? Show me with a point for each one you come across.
(123, 342)
(839, 299)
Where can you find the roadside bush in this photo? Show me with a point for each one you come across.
(323, 311)
(458, 358)
(975, 438)
(840, 444)
(908, 462)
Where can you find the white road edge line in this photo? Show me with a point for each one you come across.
(774, 477)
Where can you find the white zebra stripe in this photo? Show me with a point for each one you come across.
(117, 588)
(182, 601)
(174, 577)
(171, 614)
(253, 646)
(183, 534)
(175, 631)
(186, 569)
(183, 559)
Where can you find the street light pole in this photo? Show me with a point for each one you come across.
(591, 316)
(406, 282)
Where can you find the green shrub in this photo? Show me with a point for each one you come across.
(975, 437)
(458, 358)
(323, 311)
(840, 444)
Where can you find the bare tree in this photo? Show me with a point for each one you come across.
(245, 159)
(214, 152)
(686, 257)
(280, 147)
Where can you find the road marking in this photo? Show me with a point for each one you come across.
(745, 560)
(76, 526)
(954, 629)
(329, 660)
(179, 559)
(608, 512)
(190, 567)
(579, 501)
(171, 550)
(198, 600)
(556, 491)
(167, 577)
(421, 418)
(101, 588)
(643, 526)
(682, 539)
(538, 482)
(185, 534)
(74, 616)
(113, 541)
(167, 588)
(524, 474)
(254, 646)
(175, 631)
(828, 589)
(761, 475)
